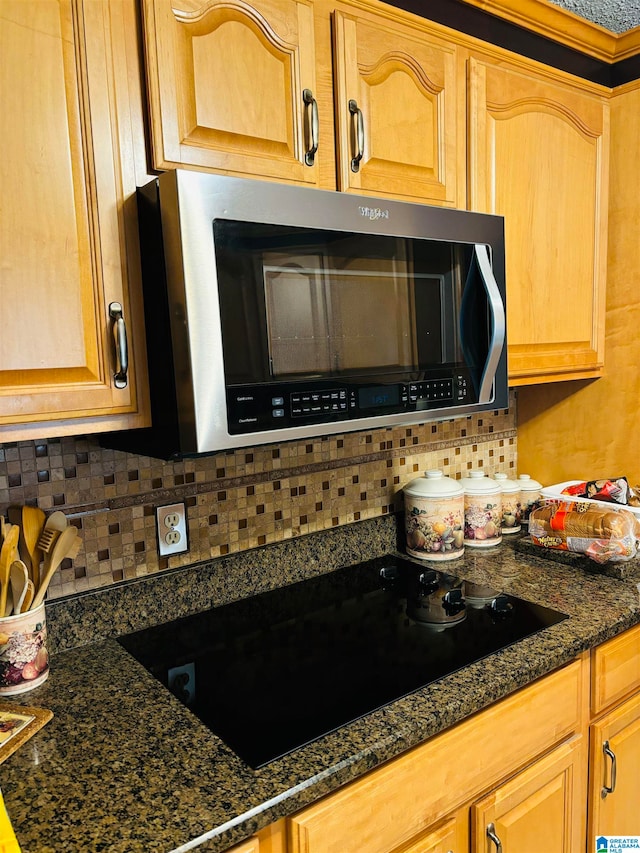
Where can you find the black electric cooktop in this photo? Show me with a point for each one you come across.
(271, 673)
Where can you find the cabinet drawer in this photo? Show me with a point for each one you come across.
(616, 669)
(401, 799)
(250, 846)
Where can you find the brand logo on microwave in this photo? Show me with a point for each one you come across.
(373, 212)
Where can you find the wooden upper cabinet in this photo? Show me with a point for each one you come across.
(231, 86)
(398, 93)
(539, 156)
(63, 175)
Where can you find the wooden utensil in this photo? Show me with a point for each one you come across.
(8, 554)
(66, 545)
(53, 527)
(33, 521)
(19, 577)
(28, 596)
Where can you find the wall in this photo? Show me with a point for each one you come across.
(587, 429)
(236, 500)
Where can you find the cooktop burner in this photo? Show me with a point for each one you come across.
(276, 671)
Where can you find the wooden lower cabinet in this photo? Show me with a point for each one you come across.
(252, 845)
(614, 796)
(448, 836)
(542, 808)
(614, 738)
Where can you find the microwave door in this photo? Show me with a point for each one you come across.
(482, 346)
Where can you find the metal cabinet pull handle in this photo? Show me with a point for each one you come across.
(614, 767)
(313, 127)
(359, 135)
(120, 379)
(491, 835)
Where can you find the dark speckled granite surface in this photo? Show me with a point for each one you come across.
(124, 767)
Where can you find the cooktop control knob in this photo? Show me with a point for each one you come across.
(389, 577)
(501, 606)
(453, 602)
(429, 582)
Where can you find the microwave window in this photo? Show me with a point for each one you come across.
(300, 303)
(341, 321)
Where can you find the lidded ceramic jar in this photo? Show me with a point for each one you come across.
(511, 505)
(434, 517)
(529, 494)
(482, 510)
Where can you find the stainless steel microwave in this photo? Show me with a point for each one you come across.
(276, 312)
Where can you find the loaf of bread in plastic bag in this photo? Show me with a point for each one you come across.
(601, 534)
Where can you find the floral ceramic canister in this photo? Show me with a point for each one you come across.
(529, 495)
(434, 517)
(24, 661)
(511, 506)
(482, 510)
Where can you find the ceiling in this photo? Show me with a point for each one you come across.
(618, 16)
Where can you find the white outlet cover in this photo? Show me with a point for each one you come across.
(171, 528)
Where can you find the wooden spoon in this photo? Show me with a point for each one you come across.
(66, 545)
(19, 578)
(7, 555)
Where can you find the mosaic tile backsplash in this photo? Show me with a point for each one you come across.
(239, 499)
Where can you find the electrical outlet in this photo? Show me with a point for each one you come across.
(172, 529)
(181, 681)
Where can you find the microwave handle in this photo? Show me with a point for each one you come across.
(498, 323)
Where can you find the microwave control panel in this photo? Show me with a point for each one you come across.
(278, 406)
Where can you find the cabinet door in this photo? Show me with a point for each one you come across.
(398, 99)
(539, 809)
(227, 84)
(62, 235)
(615, 763)
(450, 836)
(250, 846)
(538, 157)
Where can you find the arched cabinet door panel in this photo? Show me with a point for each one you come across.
(399, 93)
(232, 86)
(538, 156)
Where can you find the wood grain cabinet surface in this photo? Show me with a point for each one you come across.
(541, 808)
(231, 86)
(539, 157)
(251, 89)
(399, 100)
(615, 737)
(64, 175)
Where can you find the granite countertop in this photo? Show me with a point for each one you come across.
(124, 767)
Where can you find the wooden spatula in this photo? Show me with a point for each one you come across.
(66, 545)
